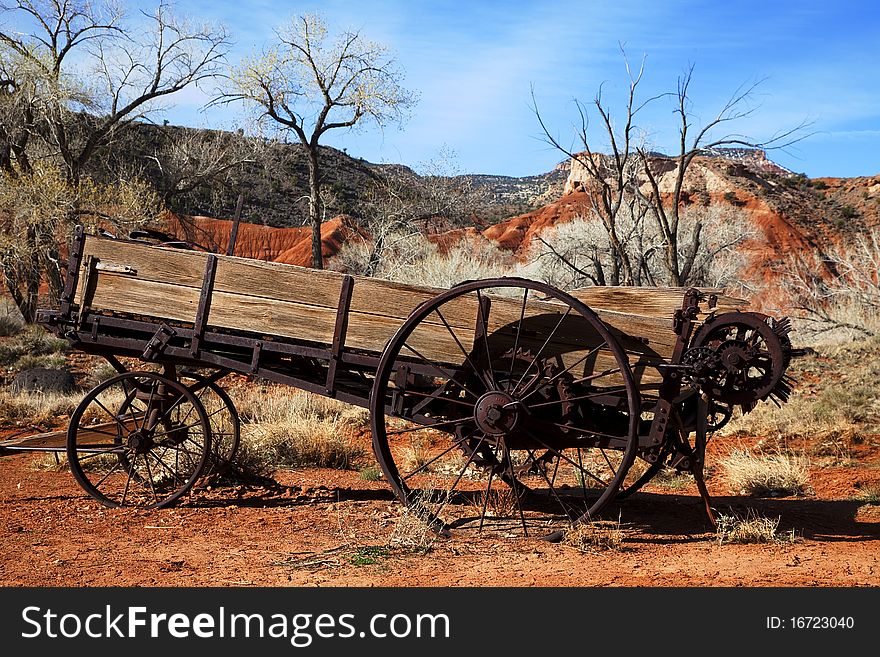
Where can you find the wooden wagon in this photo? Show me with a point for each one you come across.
(501, 404)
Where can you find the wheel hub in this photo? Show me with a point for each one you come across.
(138, 442)
(496, 413)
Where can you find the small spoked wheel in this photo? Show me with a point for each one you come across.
(138, 439)
(224, 419)
(504, 406)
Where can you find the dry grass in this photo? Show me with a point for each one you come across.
(418, 454)
(282, 427)
(31, 347)
(34, 408)
(595, 536)
(870, 495)
(267, 403)
(765, 475)
(835, 406)
(672, 479)
(751, 528)
(412, 533)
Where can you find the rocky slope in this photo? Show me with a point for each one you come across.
(791, 212)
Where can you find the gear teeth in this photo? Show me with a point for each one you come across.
(783, 389)
(781, 327)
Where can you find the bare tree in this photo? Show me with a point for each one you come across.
(613, 177)
(130, 68)
(75, 74)
(838, 289)
(634, 178)
(693, 141)
(577, 253)
(310, 82)
(187, 158)
(39, 209)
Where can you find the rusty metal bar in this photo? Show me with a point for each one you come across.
(74, 256)
(339, 331)
(204, 304)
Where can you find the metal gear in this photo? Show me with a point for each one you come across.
(751, 353)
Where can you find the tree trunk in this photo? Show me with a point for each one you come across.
(315, 206)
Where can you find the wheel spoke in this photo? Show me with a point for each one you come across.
(416, 393)
(150, 478)
(551, 488)
(130, 396)
(598, 375)
(112, 416)
(486, 497)
(568, 460)
(424, 466)
(128, 480)
(486, 383)
(484, 323)
(442, 373)
(109, 472)
(166, 468)
(522, 314)
(593, 395)
(514, 484)
(446, 423)
(451, 489)
(555, 377)
(173, 429)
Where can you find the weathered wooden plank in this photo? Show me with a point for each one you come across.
(304, 322)
(321, 287)
(652, 302)
(122, 293)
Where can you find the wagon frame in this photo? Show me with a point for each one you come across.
(512, 399)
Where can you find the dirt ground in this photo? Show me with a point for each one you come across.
(333, 528)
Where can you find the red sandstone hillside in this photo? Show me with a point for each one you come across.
(291, 246)
(791, 212)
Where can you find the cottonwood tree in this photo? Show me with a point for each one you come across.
(613, 177)
(652, 186)
(310, 82)
(37, 208)
(96, 71)
(74, 75)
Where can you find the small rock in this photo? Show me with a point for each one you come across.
(43, 379)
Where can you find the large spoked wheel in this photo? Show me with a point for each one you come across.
(138, 439)
(224, 419)
(504, 406)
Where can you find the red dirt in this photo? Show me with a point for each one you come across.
(309, 530)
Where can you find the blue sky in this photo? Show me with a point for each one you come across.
(473, 64)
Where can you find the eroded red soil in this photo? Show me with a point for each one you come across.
(332, 528)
